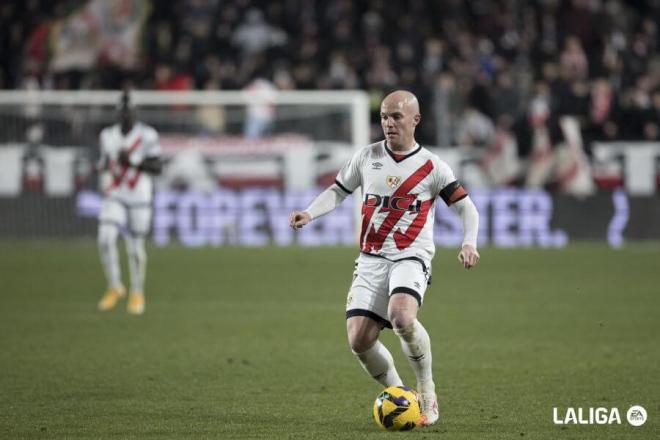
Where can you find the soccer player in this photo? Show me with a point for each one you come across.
(400, 181)
(130, 156)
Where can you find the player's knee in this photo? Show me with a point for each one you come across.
(402, 310)
(107, 235)
(140, 256)
(362, 334)
(401, 318)
(135, 247)
(360, 344)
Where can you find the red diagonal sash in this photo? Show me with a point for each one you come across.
(375, 238)
(118, 178)
(405, 239)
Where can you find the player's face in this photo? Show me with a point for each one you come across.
(126, 119)
(398, 121)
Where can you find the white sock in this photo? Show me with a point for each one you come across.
(378, 362)
(107, 242)
(416, 345)
(137, 262)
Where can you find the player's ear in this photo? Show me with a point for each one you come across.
(417, 119)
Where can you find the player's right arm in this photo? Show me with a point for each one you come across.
(321, 205)
(348, 179)
(103, 163)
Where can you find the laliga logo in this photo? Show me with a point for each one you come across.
(636, 416)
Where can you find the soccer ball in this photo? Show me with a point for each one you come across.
(397, 409)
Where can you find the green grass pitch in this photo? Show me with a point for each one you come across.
(242, 343)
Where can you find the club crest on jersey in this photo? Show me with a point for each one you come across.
(393, 181)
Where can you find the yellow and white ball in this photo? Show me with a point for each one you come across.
(397, 409)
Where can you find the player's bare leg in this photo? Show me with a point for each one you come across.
(107, 242)
(374, 357)
(416, 345)
(137, 267)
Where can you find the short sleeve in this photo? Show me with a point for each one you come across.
(442, 176)
(447, 187)
(349, 177)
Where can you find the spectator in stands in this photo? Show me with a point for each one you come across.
(167, 79)
(211, 118)
(505, 97)
(253, 36)
(474, 129)
(603, 117)
(652, 118)
(573, 60)
(260, 110)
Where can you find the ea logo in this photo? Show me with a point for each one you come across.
(636, 415)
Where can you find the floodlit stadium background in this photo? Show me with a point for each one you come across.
(548, 111)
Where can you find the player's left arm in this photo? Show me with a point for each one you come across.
(152, 162)
(456, 197)
(152, 165)
(468, 256)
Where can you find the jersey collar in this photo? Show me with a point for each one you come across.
(400, 158)
(131, 131)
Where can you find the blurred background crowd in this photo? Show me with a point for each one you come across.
(479, 67)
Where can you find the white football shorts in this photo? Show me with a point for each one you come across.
(376, 279)
(135, 219)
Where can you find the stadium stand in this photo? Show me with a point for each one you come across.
(485, 70)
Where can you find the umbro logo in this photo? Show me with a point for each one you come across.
(376, 165)
(417, 284)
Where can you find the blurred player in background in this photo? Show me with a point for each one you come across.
(130, 156)
(400, 181)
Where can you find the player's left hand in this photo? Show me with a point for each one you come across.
(124, 159)
(468, 256)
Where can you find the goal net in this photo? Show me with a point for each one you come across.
(236, 162)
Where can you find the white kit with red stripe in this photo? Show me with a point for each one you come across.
(128, 184)
(398, 199)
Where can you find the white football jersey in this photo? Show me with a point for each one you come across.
(398, 199)
(128, 184)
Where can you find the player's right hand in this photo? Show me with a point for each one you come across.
(468, 256)
(298, 219)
